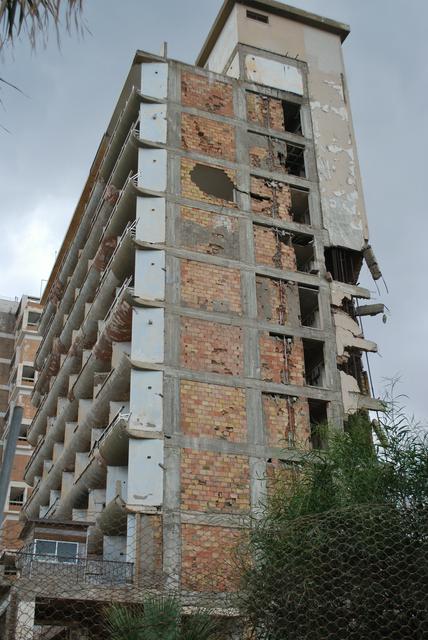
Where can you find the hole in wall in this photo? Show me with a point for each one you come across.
(300, 205)
(292, 119)
(343, 264)
(317, 418)
(313, 352)
(294, 162)
(213, 181)
(309, 309)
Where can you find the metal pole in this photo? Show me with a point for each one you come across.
(8, 455)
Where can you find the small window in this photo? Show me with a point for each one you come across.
(33, 318)
(16, 496)
(292, 120)
(294, 163)
(28, 373)
(55, 551)
(260, 17)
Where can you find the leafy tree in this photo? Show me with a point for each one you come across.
(341, 550)
(159, 618)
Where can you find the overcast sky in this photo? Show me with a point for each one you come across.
(55, 132)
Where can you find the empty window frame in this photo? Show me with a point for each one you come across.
(304, 251)
(259, 17)
(343, 264)
(313, 352)
(292, 117)
(28, 374)
(300, 205)
(309, 306)
(55, 551)
(318, 421)
(16, 496)
(294, 162)
(33, 318)
(213, 181)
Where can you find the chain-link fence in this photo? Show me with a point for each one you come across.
(357, 572)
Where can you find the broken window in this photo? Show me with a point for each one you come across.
(213, 181)
(260, 17)
(318, 419)
(300, 205)
(294, 162)
(343, 264)
(309, 309)
(304, 252)
(313, 352)
(292, 120)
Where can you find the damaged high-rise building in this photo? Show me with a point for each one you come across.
(202, 315)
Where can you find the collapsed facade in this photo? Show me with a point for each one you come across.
(202, 315)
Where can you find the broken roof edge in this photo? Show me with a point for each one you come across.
(270, 6)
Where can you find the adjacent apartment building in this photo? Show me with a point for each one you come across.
(19, 342)
(202, 316)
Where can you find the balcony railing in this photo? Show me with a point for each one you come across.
(69, 570)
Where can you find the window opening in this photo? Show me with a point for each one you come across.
(294, 163)
(317, 419)
(33, 318)
(292, 118)
(28, 373)
(304, 252)
(55, 551)
(16, 496)
(213, 181)
(300, 205)
(313, 352)
(309, 309)
(343, 264)
(253, 15)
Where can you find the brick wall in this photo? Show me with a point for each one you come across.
(214, 482)
(190, 190)
(213, 411)
(209, 232)
(204, 93)
(267, 153)
(272, 249)
(209, 287)
(206, 557)
(281, 362)
(270, 198)
(208, 346)
(204, 135)
(277, 300)
(286, 421)
(265, 111)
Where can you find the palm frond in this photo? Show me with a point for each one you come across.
(34, 17)
(161, 618)
(202, 625)
(124, 623)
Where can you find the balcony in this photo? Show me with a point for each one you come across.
(90, 571)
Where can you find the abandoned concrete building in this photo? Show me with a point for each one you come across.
(202, 315)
